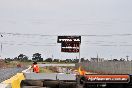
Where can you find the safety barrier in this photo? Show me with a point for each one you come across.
(14, 81)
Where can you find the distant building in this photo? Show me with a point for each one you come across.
(97, 60)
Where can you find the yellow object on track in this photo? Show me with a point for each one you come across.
(15, 80)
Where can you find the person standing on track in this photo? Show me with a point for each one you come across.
(35, 67)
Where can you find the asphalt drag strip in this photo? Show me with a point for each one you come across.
(6, 73)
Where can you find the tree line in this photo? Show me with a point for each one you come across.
(22, 57)
(37, 57)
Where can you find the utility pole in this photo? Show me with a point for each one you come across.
(52, 56)
(111, 57)
(1, 47)
(79, 54)
(97, 58)
(127, 57)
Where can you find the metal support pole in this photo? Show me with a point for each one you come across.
(1, 47)
(79, 54)
(131, 67)
(1, 51)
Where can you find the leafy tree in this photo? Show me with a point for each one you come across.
(62, 61)
(122, 59)
(68, 60)
(37, 57)
(115, 59)
(22, 57)
(8, 60)
(56, 60)
(76, 60)
(48, 60)
(82, 59)
(15, 58)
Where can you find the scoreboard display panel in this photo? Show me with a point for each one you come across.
(76, 39)
(70, 50)
(70, 44)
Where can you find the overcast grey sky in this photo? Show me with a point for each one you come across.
(66, 17)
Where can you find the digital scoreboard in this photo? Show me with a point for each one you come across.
(70, 50)
(76, 39)
(70, 44)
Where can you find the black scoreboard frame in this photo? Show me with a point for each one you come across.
(70, 44)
